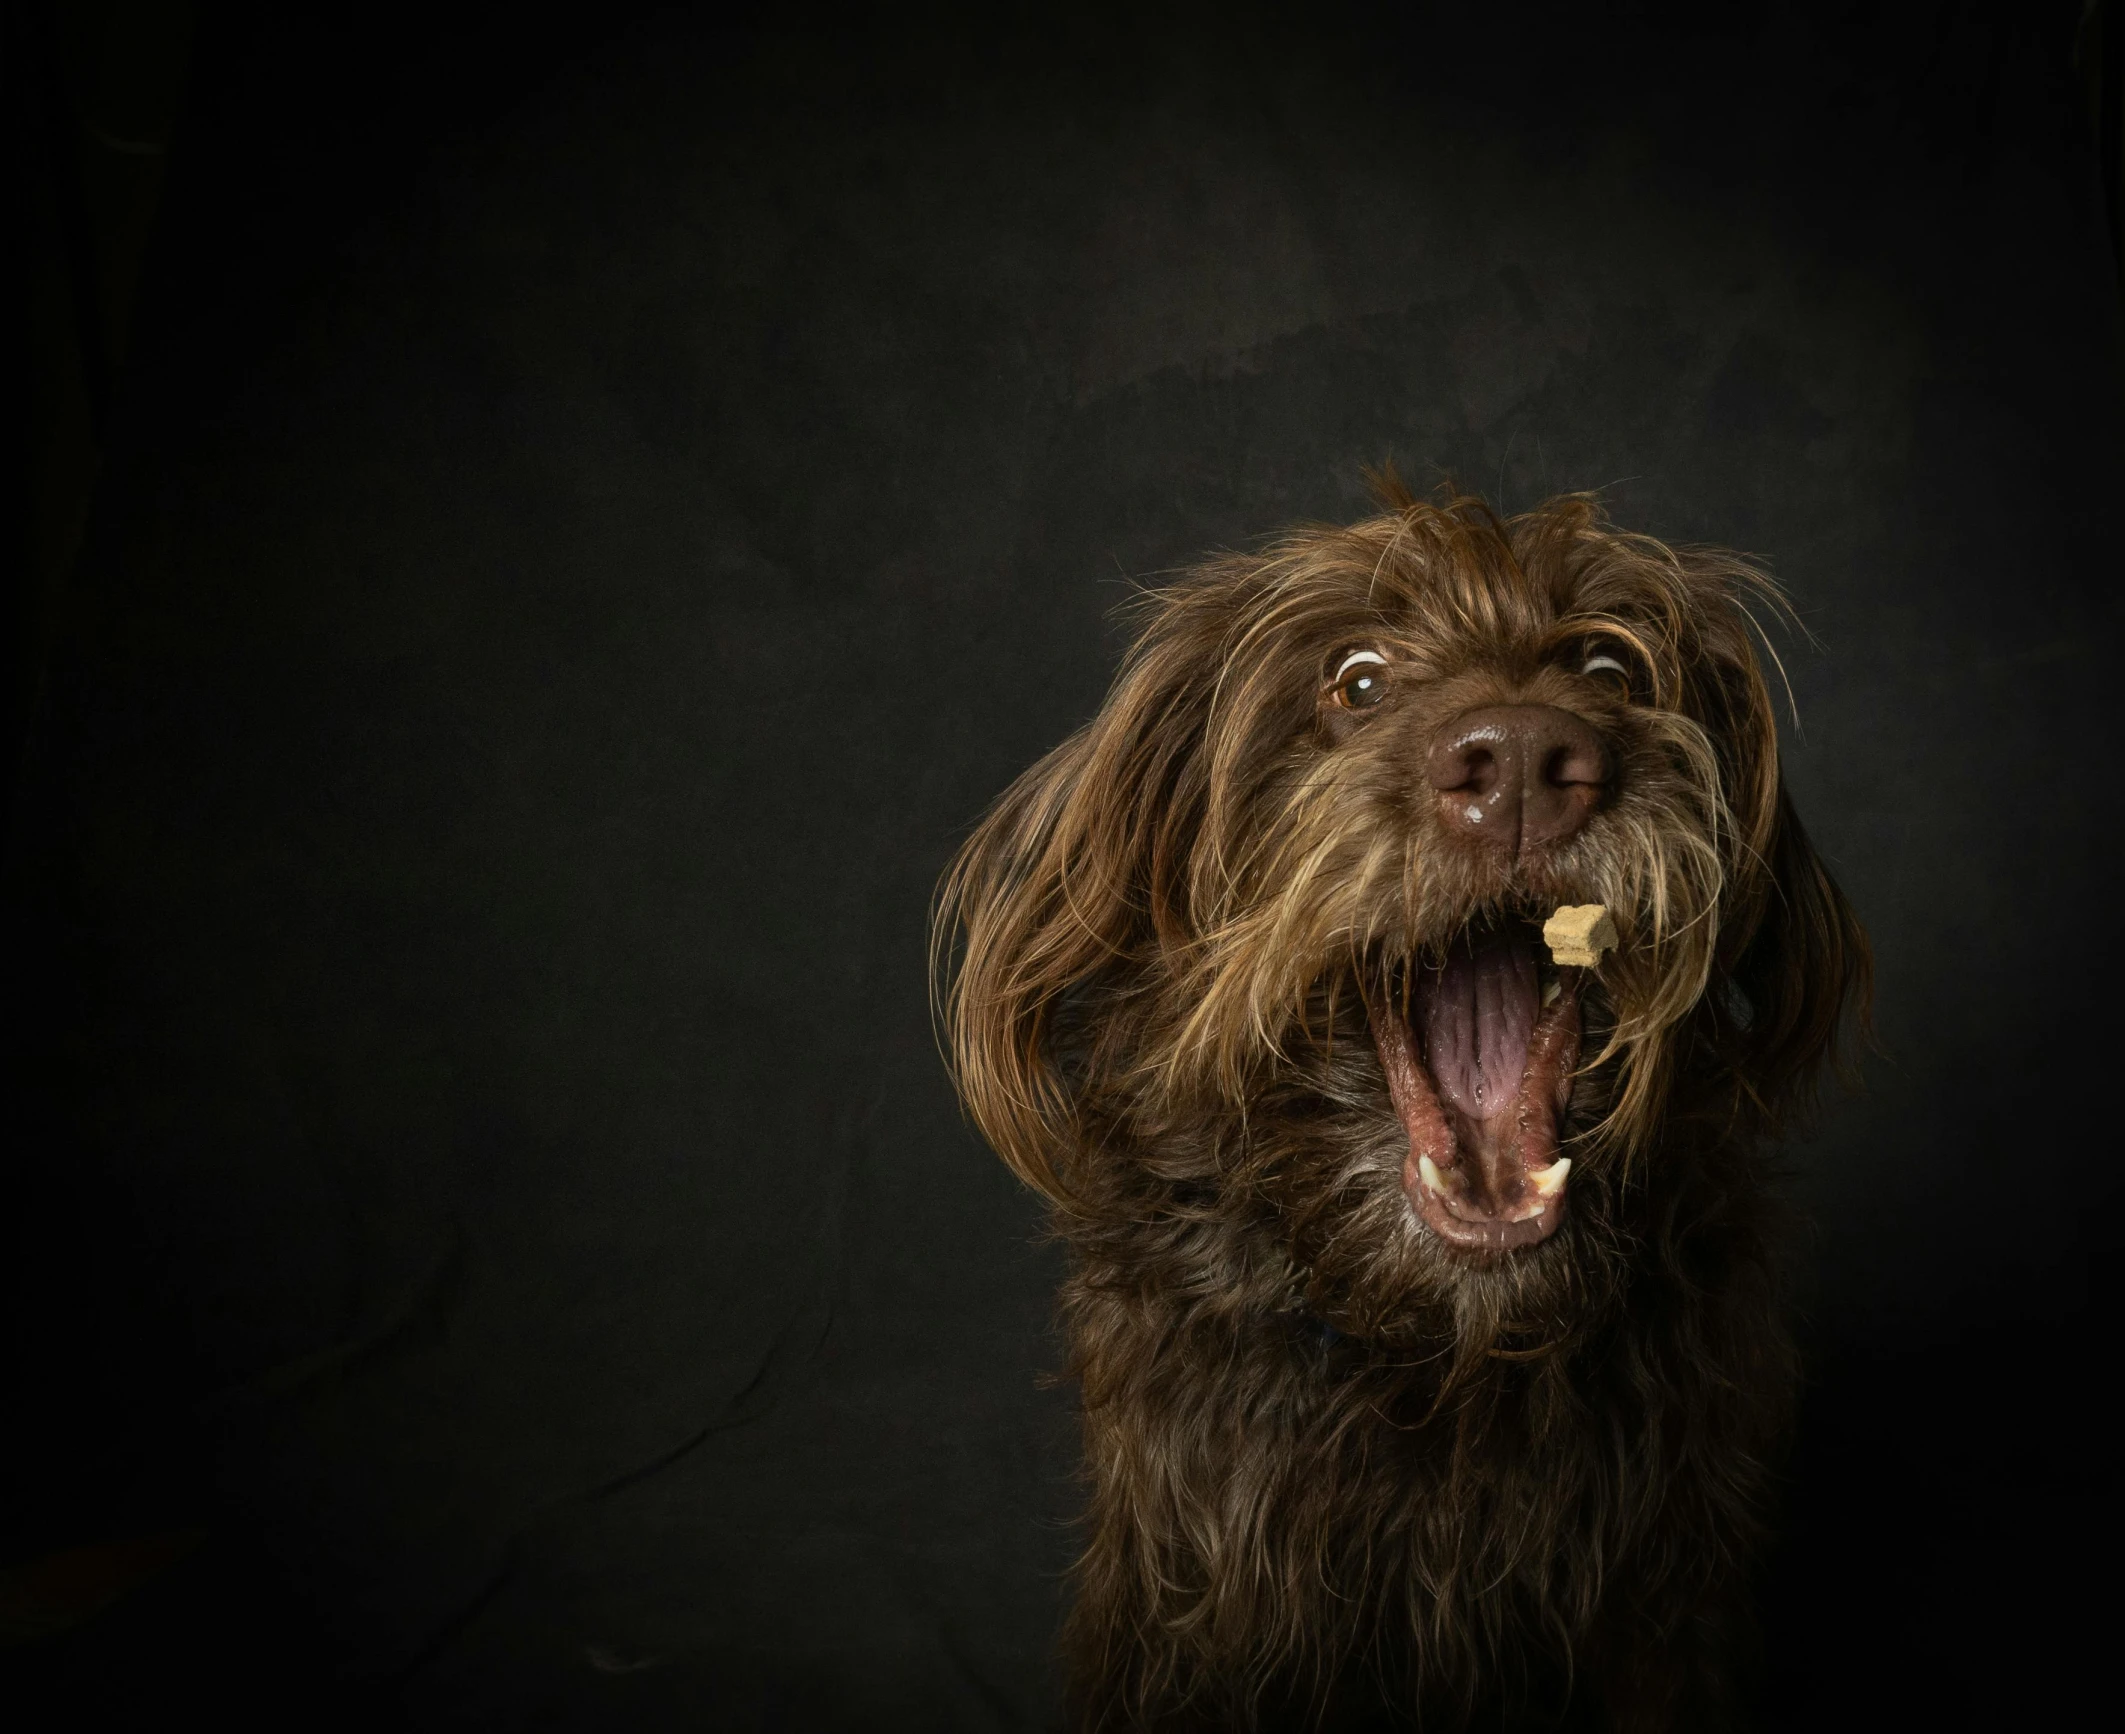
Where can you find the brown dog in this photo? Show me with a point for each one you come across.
(1420, 1299)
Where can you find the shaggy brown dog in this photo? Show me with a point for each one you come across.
(1420, 1295)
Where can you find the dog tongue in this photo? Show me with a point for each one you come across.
(1476, 1015)
(1480, 1074)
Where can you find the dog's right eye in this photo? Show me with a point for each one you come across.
(1360, 680)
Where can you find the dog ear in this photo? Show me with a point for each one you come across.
(1803, 970)
(1075, 880)
(1793, 972)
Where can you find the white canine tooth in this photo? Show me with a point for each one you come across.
(1550, 1181)
(1550, 991)
(1432, 1177)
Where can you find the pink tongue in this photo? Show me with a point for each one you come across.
(1475, 1015)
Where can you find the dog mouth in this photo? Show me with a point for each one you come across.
(1479, 1050)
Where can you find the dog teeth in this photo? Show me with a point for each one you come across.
(1432, 1177)
(1550, 1181)
(1550, 991)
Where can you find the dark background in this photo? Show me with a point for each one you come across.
(543, 529)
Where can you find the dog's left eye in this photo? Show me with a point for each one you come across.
(1605, 663)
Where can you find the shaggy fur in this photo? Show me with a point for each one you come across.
(1343, 1472)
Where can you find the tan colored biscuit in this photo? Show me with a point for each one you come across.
(1579, 933)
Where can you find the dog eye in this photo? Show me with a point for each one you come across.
(1360, 680)
(1606, 664)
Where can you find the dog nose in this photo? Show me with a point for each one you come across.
(1517, 774)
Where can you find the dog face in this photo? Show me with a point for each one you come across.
(1262, 943)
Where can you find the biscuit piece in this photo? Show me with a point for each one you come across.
(1579, 933)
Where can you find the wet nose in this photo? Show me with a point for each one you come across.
(1518, 774)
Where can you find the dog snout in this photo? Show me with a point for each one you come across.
(1517, 775)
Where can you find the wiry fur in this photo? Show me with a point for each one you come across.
(1343, 1474)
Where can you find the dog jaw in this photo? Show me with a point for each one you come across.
(1479, 1065)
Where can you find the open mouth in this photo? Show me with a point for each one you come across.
(1479, 1051)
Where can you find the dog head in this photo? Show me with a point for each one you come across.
(1262, 943)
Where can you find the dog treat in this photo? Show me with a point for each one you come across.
(1579, 933)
